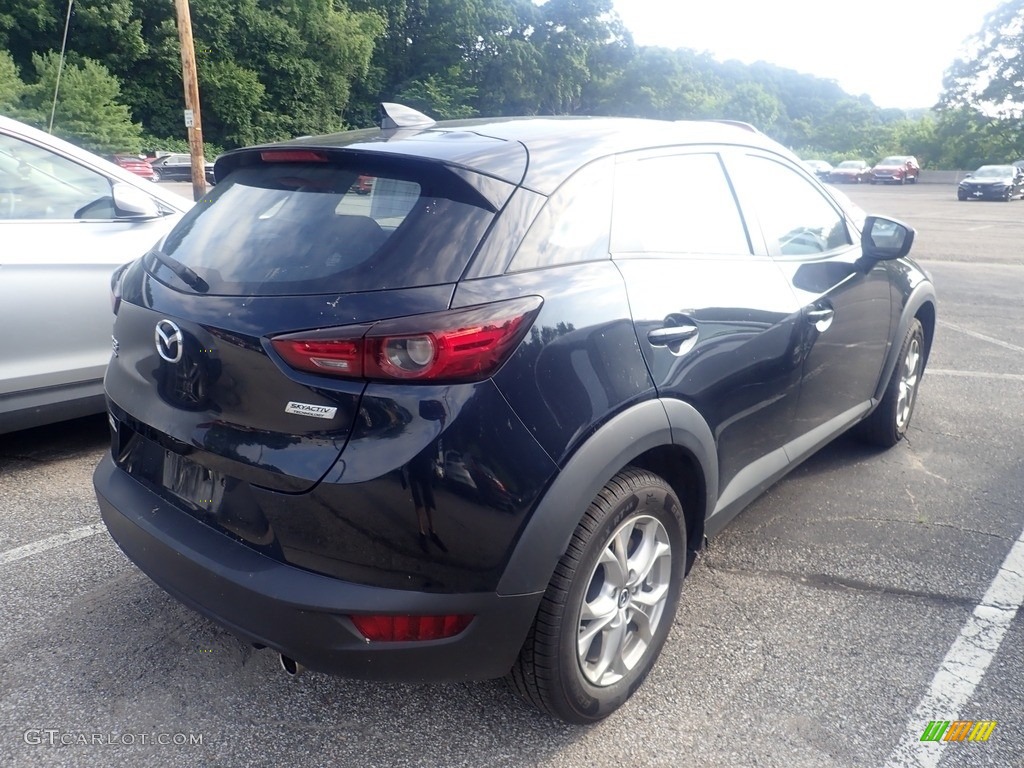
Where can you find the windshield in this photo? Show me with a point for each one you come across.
(994, 171)
(893, 161)
(309, 228)
(852, 164)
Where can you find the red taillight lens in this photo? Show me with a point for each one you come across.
(457, 345)
(340, 357)
(390, 628)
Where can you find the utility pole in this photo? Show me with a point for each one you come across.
(191, 81)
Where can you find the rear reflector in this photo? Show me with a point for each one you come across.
(457, 345)
(390, 628)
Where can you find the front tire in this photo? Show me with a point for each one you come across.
(888, 423)
(610, 603)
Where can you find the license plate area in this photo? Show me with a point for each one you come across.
(194, 484)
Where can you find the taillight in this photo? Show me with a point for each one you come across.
(392, 628)
(456, 345)
(340, 357)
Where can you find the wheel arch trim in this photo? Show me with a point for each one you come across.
(651, 424)
(923, 294)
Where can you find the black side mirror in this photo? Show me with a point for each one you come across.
(884, 239)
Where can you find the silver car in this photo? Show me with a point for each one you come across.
(68, 220)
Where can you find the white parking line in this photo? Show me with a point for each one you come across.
(19, 553)
(981, 336)
(965, 663)
(975, 374)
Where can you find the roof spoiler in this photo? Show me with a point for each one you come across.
(393, 116)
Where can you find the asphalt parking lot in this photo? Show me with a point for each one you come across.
(823, 628)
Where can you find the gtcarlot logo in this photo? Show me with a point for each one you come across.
(54, 737)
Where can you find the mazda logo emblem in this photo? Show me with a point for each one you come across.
(169, 341)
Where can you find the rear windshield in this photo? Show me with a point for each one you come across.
(308, 228)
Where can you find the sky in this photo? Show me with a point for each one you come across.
(895, 51)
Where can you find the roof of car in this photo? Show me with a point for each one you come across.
(539, 152)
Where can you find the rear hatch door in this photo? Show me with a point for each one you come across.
(288, 243)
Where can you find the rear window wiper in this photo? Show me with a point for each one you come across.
(187, 275)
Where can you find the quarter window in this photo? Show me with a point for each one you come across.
(676, 204)
(573, 225)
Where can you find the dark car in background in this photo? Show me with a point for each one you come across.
(896, 169)
(479, 421)
(178, 167)
(850, 172)
(992, 182)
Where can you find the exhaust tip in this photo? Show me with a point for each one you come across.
(291, 666)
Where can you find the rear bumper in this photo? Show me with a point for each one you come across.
(302, 614)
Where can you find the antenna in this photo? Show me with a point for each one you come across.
(400, 116)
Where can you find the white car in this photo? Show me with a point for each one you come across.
(68, 220)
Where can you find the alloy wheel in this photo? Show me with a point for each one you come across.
(625, 600)
(909, 378)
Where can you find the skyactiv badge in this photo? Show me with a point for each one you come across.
(307, 409)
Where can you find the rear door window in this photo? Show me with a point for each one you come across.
(308, 228)
(676, 204)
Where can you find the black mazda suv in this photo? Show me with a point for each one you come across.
(463, 400)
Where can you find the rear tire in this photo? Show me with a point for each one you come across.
(888, 423)
(610, 603)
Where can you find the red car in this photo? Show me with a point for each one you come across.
(850, 172)
(897, 169)
(135, 165)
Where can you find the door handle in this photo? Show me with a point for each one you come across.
(662, 337)
(821, 317)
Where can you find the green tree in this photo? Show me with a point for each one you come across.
(442, 98)
(569, 37)
(88, 110)
(660, 83)
(751, 103)
(12, 89)
(27, 27)
(992, 78)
